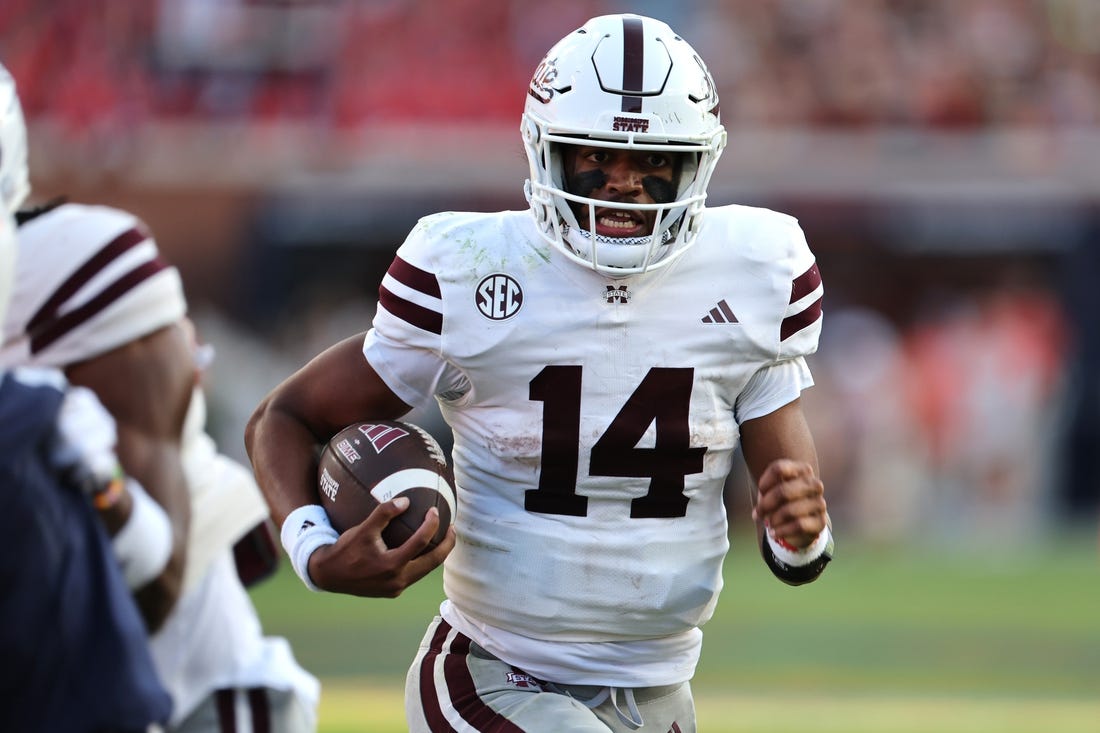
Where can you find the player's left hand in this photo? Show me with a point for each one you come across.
(791, 502)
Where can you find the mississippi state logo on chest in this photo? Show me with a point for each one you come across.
(498, 296)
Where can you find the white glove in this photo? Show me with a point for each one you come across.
(88, 434)
(89, 437)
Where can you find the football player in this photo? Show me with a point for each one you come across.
(598, 359)
(73, 649)
(94, 298)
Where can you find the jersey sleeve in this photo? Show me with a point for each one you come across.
(405, 343)
(800, 327)
(771, 387)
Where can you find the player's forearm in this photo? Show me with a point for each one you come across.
(282, 452)
(142, 539)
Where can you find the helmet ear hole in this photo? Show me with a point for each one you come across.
(531, 133)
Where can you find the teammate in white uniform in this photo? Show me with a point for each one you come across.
(598, 359)
(93, 297)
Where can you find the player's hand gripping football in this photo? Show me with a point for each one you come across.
(360, 564)
(791, 502)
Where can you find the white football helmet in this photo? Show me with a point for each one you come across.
(627, 82)
(15, 184)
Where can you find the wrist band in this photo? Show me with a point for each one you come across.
(144, 544)
(304, 530)
(794, 557)
(110, 494)
(798, 566)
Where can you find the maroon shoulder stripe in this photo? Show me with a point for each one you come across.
(633, 63)
(429, 697)
(128, 239)
(793, 324)
(412, 276)
(805, 283)
(412, 313)
(48, 331)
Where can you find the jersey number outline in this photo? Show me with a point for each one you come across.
(662, 398)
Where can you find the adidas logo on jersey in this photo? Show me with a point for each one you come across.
(721, 313)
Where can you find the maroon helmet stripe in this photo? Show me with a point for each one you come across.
(429, 698)
(793, 324)
(51, 330)
(91, 268)
(416, 315)
(463, 692)
(633, 63)
(805, 283)
(412, 276)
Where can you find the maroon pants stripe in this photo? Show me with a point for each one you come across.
(227, 714)
(258, 705)
(261, 710)
(429, 699)
(460, 687)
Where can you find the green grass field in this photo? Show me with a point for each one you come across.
(889, 640)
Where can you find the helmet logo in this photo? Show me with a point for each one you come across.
(545, 75)
(630, 124)
(498, 297)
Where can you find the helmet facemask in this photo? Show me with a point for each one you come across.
(570, 104)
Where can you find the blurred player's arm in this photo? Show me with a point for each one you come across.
(789, 510)
(335, 389)
(146, 386)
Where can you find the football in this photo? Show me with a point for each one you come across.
(368, 463)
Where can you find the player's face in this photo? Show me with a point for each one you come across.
(624, 176)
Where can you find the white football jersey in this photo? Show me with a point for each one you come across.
(88, 280)
(594, 419)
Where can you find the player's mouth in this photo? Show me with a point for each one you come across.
(616, 223)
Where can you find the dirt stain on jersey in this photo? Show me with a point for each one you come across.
(525, 449)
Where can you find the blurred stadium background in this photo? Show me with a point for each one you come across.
(943, 158)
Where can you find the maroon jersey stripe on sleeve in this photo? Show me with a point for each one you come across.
(416, 315)
(415, 278)
(793, 324)
(50, 330)
(805, 283)
(123, 242)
